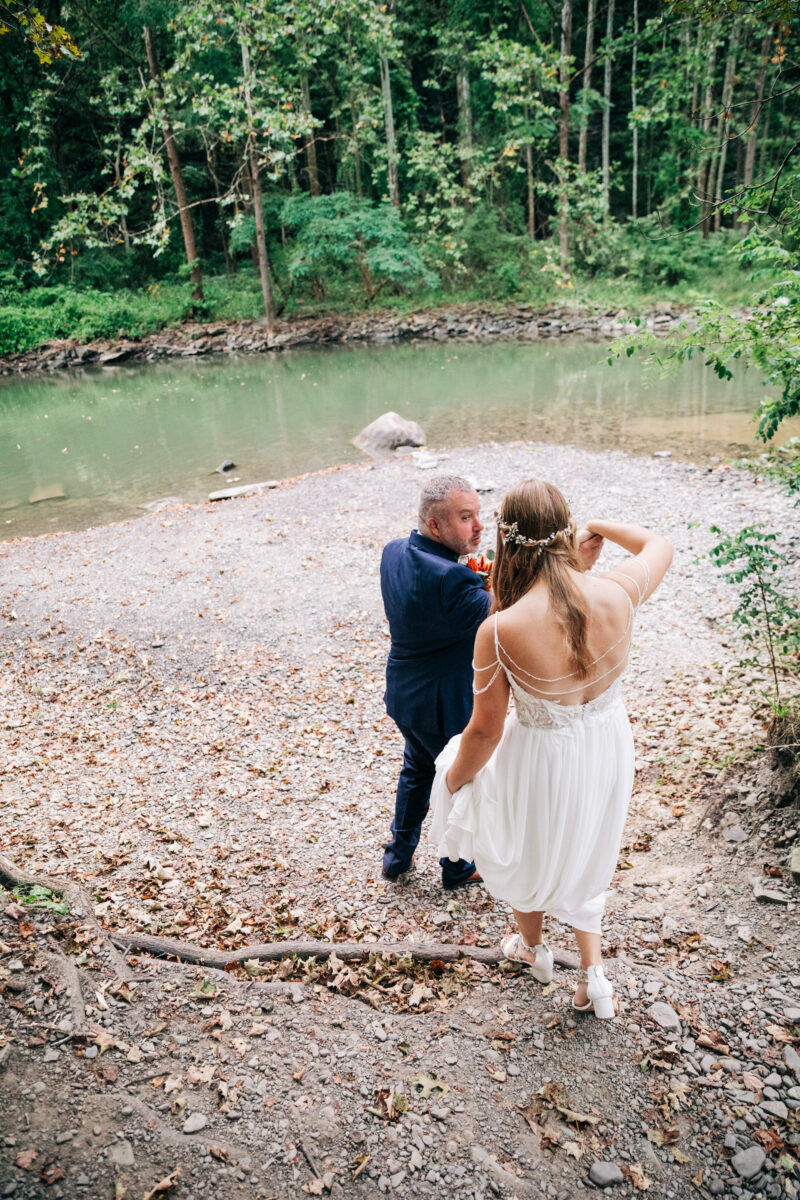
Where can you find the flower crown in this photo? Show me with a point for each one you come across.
(511, 533)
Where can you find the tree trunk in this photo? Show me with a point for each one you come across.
(703, 169)
(607, 107)
(722, 128)
(755, 112)
(391, 151)
(563, 132)
(587, 82)
(258, 205)
(464, 123)
(635, 130)
(310, 144)
(213, 163)
(531, 191)
(175, 171)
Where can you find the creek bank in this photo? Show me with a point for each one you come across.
(523, 322)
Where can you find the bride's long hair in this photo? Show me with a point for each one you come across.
(535, 510)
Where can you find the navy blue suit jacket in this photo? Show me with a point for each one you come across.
(434, 606)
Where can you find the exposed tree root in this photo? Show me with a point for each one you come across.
(346, 951)
(80, 905)
(60, 964)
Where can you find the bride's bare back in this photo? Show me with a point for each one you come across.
(533, 647)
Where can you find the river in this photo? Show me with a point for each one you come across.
(101, 443)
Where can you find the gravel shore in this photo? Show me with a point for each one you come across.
(194, 729)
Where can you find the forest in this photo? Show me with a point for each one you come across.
(172, 160)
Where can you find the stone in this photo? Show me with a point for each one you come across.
(195, 1122)
(775, 1108)
(605, 1174)
(121, 1153)
(226, 465)
(245, 489)
(749, 1162)
(665, 1016)
(792, 1060)
(792, 1015)
(769, 895)
(794, 864)
(389, 431)
(51, 491)
(662, 454)
(734, 833)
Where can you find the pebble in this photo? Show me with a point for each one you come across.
(665, 1016)
(749, 1162)
(792, 1060)
(121, 1153)
(775, 1108)
(605, 1174)
(195, 1122)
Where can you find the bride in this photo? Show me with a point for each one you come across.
(538, 796)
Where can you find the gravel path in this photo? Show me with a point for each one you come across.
(193, 727)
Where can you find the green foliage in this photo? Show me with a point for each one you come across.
(44, 314)
(342, 232)
(38, 896)
(768, 620)
(48, 42)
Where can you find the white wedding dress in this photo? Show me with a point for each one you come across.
(543, 819)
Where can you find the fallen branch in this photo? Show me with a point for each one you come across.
(80, 905)
(346, 951)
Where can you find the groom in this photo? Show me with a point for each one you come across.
(434, 606)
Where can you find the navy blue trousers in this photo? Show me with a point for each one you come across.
(412, 803)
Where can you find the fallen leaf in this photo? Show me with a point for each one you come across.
(25, 1159)
(101, 1038)
(713, 1041)
(638, 1177)
(51, 1174)
(219, 1153)
(770, 1139)
(164, 1185)
(663, 1137)
(426, 1084)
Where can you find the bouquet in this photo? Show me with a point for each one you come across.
(482, 565)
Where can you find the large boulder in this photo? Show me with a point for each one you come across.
(388, 432)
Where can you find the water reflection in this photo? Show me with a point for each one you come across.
(115, 438)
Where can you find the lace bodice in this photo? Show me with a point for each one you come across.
(549, 714)
(540, 706)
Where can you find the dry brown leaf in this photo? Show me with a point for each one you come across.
(164, 1185)
(638, 1177)
(25, 1159)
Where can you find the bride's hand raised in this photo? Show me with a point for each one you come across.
(590, 546)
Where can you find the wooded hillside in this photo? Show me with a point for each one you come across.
(420, 144)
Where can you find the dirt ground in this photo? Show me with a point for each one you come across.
(193, 733)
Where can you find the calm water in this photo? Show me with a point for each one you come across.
(113, 439)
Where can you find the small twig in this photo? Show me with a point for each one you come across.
(308, 1158)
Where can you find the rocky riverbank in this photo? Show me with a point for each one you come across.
(473, 323)
(192, 728)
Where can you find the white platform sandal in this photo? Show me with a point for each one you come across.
(542, 969)
(600, 991)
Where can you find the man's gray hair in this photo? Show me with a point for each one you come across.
(436, 492)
